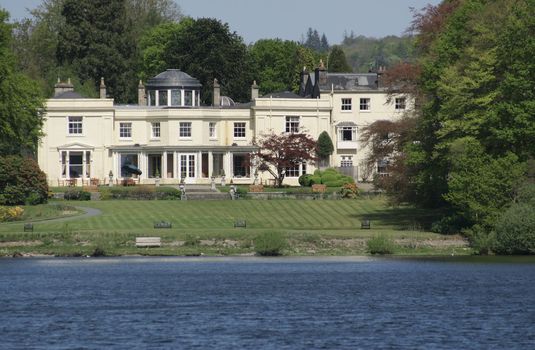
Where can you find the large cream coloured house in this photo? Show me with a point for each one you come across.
(169, 136)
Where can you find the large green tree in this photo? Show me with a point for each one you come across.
(204, 48)
(277, 64)
(337, 62)
(474, 83)
(95, 40)
(20, 101)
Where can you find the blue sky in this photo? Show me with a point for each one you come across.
(290, 19)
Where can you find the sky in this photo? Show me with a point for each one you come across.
(290, 19)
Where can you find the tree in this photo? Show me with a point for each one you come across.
(20, 101)
(204, 48)
(277, 64)
(277, 153)
(337, 61)
(325, 147)
(95, 41)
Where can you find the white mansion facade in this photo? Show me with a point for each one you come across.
(170, 136)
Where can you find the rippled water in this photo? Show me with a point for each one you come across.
(126, 303)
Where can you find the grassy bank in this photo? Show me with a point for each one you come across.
(207, 227)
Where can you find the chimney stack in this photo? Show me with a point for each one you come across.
(60, 87)
(141, 97)
(254, 91)
(102, 88)
(323, 73)
(216, 98)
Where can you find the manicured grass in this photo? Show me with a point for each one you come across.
(311, 226)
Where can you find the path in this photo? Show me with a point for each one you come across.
(89, 212)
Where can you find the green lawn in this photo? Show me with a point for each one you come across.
(306, 221)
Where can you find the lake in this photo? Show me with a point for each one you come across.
(255, 303)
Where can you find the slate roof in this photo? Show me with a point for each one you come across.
(350, 81)
(173, 78)
(68, 95)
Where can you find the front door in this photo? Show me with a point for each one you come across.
(186, 167)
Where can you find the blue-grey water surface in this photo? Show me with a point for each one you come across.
(343, 303)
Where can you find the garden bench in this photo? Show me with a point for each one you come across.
(146, 242)
(28, 227)
(240, 223)
(163, 224)
(365, 224)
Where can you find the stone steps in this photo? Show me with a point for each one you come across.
(206, 196)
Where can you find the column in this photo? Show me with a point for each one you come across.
(210, 164)
(67, 166)
(169, 97)
(193, 98)
(156, 97)
(83, 165)
(164, 165)
(227, 165)
(182, 94)
(198, 165)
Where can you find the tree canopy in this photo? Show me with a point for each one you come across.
(20, 101)
(277, 64)
(466, 147)
(204, 48)
(337, 62)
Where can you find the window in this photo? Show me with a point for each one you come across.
(239, 130)
(240, 165)
(162, 98)
(346, 104)
(347, 161)
(176, 98)
(185, 129)
(125, 130)
(152, 98)
(400, 103)
(364, 104)
(75, 125)
(188, 98)
(292, 124)
(155, 130)
(296, 170)
(212, 130)
(347, 133)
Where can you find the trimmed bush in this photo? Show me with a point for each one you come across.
(73, 194)
(140, 193)
(21, 181)
(515, 230)
(381, 245)
(329, 177)
(269, 244)
(304, 180)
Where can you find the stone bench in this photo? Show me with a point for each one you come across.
(28, 227)
(146, 242)
(365, 224)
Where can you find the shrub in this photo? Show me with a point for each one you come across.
(269, 244)
(481, 241)
(10, 213)
(21, 181)
(349, 190)
(140, 193)
(515, 230)
(380, 244)
(315, 180)
(304, 180)
(73, 194)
